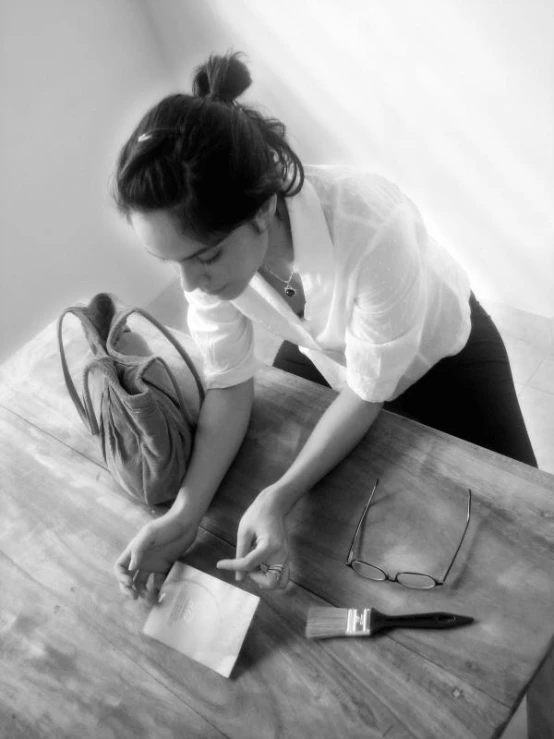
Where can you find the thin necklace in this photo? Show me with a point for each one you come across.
(289, 290)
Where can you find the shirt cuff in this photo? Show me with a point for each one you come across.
(227, 378)
(378, 392)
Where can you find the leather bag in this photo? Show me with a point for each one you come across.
(136, 406)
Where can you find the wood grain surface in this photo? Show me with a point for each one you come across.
(540, 703)
(76, 664)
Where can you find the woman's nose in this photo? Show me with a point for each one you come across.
(192, 276)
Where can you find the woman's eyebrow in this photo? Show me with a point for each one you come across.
(185, 259)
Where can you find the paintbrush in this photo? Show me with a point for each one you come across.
(324, 623)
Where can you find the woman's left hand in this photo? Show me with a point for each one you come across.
(262, 545)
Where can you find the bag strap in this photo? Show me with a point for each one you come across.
(182, 405)
(102, 364)
(173, 341)
(73, 394)
(86, 411)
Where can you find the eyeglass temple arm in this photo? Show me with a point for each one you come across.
(360, 523)
(462, 538)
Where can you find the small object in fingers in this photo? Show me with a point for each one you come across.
(271, 568)
(277, 576)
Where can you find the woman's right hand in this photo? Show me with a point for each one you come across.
(143, 565)
(262, 541)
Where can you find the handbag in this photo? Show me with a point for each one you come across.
(134, 403)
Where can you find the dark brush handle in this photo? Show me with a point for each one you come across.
(436, 620)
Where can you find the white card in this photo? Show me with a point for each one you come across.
(202, 617)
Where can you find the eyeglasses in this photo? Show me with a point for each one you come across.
(415, 580)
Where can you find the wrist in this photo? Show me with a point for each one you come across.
(187, 508)
(280, 497)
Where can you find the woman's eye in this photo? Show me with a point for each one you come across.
(213, 259)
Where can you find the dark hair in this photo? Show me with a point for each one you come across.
(209, 160)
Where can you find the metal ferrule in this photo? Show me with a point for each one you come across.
(356, 623)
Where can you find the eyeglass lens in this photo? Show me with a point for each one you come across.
(415, 580)
(369, 571)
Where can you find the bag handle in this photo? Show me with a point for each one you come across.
(102, 364)
(173, 341)
(86, 411)
(73, 394)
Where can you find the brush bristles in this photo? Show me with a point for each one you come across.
(324, 623)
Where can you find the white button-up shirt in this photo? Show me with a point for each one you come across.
(384, 302)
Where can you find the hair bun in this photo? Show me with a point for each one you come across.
(222, 78)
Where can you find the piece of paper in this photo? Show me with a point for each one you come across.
(202, 617)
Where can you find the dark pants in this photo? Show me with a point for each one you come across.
(470, 395)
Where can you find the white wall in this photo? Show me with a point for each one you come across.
(74, 77)
(453, 99)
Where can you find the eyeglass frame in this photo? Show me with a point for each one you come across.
(386, 578)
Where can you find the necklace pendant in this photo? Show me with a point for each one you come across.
(290, 292)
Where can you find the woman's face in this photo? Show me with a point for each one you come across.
(223, 269)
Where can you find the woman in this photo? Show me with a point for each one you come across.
(334, 260)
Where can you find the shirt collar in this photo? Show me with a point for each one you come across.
(313, 248)
(313, 260)
(314, 257)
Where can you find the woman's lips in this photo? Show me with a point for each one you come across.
(216, 291)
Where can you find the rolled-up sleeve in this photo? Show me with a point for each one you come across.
(225, 339)
(388, 316)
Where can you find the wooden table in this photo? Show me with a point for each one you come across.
(74, 661)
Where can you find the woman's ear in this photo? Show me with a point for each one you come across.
(263, 217)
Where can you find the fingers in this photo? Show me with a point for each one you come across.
(139, 582)
(155, 584)
(131, 581)
(124, 575)
(242, 565)
(130, 577)
(243, 561)
(271, 578)
(266, 565)
(129, 561)
(245, 542)
(266, 577)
